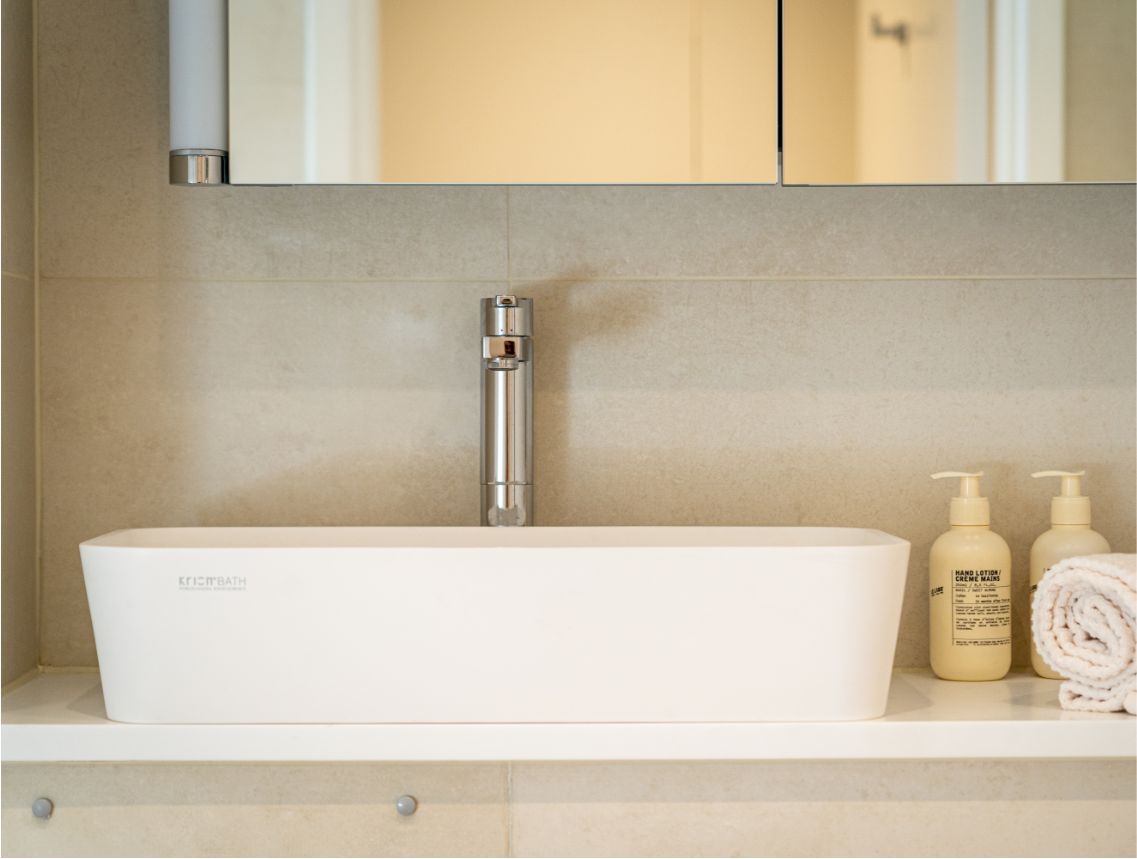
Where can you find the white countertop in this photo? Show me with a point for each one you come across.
(60, 717)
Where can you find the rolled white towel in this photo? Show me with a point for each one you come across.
(1085, 628)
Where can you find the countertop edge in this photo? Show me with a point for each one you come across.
(1011, 719)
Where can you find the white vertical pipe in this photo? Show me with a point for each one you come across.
(1030, 90)
(199, 107)
(1007, 69)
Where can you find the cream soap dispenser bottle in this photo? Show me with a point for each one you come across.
(970, 595)
(1069, 535)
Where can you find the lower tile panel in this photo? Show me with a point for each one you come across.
(825, 808)
(255, 810)
(820, 808)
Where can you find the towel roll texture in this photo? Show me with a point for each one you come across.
(1085, 628)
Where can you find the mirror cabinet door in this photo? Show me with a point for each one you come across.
(968, 91)
(502, 91)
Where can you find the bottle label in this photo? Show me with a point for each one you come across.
(980, 608)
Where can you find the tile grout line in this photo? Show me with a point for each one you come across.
(37, 384)
(595, 279)
(508, 808)
(508, 239)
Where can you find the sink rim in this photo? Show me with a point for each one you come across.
(470, 537)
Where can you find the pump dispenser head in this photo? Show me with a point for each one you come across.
(969, 507)
(1069, 506)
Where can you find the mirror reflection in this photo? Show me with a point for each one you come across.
(970, 91)
(503, 91)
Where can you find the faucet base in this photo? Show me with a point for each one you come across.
(507, 504)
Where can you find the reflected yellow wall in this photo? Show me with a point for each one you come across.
(578, 90)
(906, 94)
(860, 108)
(818, 83)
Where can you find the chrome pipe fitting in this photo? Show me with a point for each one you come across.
(198, 167)
(507, 411)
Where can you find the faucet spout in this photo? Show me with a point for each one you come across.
(507, 411)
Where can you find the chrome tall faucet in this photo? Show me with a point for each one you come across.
(507, 410)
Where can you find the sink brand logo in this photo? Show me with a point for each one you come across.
(211, 583)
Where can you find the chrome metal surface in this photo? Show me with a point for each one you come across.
(198, 167)
(507, 411)
(507, 314)
(507, 504)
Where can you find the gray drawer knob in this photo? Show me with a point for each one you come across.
(406, 805)
(43, 808)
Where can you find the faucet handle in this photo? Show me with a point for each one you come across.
(504, 352)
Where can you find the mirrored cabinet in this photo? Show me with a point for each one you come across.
(662, 91)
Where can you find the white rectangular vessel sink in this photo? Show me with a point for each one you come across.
(607, 624)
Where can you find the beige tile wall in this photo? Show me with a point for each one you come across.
(18, 456)
(707, 355)
(821, 808)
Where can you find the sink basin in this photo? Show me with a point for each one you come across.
(608, 624)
